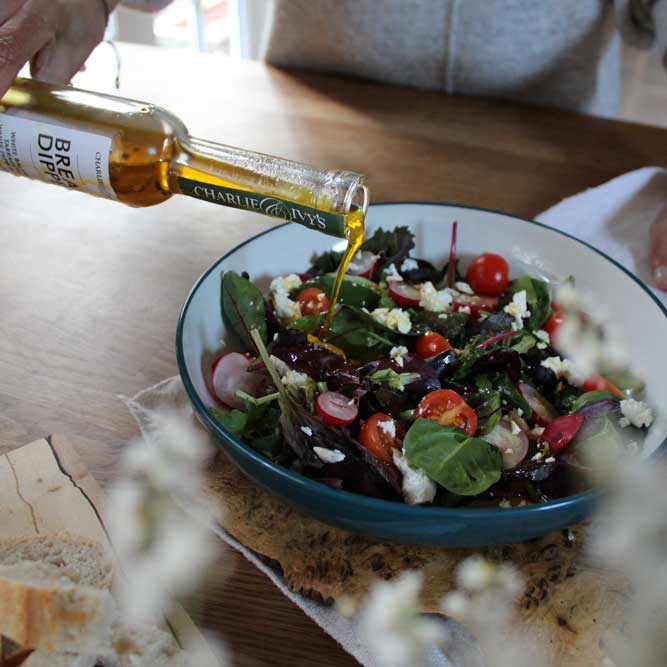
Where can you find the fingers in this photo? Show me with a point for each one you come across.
(8, 8)
(82, 25)
(658, 237)
(23, 35)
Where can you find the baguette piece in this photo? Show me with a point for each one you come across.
(82, 561)
(41, 608)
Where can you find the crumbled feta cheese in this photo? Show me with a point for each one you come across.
(285, 284)
(543, 336)
(389, 427)
(392, 274)
(294, 377)
(516, 429)
(397, 354)
(464, 309)
(518, 309)
(537, 457)
(329, 455)
(570, 535)
(505, 504)
(519, 411)
(509, 450)
(563, 368)
(550, 459)
(307, 430)
(393, 318)
(436, 301)
(416, 486)
(409, 264)
(321, 296)
(541, 346)
(637, 413)
(286, 309)
(536, 432)
(463, 287)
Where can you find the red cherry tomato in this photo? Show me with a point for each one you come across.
(313, 301)
(475, 303)
(403, 293)
(553, 323)
(430, 344)
(489, 274)
(598, 383)
(379, 435)
(336, 409)
(448, 408)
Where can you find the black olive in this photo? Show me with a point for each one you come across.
(545, 379)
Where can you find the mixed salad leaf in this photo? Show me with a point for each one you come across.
(430, 386)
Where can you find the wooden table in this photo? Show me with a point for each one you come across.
(90, 290)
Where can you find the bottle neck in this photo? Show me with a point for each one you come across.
(317, 199)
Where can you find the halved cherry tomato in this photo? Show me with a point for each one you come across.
(475, 303)
(403, 293)
(430, 344)
(598, 383)
(379, 435)
(448, 408)
(489, 274)
(313, 301)
(336, 409)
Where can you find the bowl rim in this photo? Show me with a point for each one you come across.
(367, 502)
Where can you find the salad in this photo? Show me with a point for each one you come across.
(430, 386)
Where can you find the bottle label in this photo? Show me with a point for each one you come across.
(42, 151)
(322, 221)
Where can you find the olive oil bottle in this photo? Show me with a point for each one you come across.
(140, 155)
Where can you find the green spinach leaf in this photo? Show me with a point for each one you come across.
(593, 397)
(461, 464)
(243, 308)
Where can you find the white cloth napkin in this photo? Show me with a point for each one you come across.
(614, 217)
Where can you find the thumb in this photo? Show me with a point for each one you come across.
(658, 235)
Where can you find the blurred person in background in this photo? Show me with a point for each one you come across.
(563, 53)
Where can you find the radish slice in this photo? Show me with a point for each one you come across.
(513, 446)
(336, 409)
(231, 373)
(543, 411)
(562, 431)
(403, 293)
(363, 264)
(475, 303)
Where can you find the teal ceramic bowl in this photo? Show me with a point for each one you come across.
(530, 248)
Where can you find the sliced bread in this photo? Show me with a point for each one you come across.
(41, 608)
(81, 561)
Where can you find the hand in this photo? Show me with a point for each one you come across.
(658, 236)
(55, 36)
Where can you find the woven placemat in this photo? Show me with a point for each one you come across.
(568, 605)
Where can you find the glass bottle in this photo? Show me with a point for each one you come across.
(141, 155)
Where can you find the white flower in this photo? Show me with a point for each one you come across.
(637, 413)
(416, 486)
(393, 318)
(396, 633)
(329, 455)
(409, 264)
(474, 574)
(464, 288)
(436, 301)
(518, 309)
(391, 274)
(397, 354)
(294, 378)
(308, 431)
